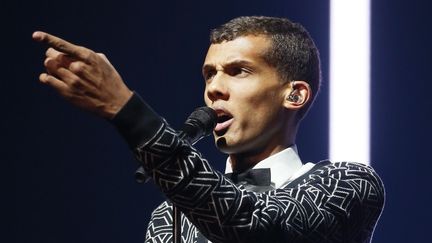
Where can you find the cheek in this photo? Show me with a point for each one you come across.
(251, 120)
(261, 112)
(260, 104)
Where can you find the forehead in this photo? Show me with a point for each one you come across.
(249, 48)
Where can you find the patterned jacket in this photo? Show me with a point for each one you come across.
(339, 202)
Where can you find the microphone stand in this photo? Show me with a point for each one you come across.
(142, 177)
(176, 225)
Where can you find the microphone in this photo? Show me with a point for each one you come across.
(198, 125)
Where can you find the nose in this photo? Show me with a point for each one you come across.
(217, 88)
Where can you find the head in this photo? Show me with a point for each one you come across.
(292, 51)
(249, 71)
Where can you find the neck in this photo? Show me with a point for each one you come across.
(245, 160)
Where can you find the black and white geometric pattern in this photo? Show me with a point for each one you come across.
(339, 202)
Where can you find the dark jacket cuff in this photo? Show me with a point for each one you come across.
(137, 122)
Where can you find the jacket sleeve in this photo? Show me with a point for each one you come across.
(318, 210)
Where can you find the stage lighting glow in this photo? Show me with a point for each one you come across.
(350, 80)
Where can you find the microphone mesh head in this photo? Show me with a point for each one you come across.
(200, 123)
(207, 117)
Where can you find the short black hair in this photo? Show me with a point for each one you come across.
(293, 52)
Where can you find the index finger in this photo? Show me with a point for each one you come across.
(62, 45)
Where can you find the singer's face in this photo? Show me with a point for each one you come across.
(246, 93)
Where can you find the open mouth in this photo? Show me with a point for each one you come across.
(224, 120)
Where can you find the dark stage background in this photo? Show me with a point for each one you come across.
(72, 175)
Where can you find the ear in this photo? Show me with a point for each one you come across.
(297, 95)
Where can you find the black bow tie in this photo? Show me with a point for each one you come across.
(257, 180)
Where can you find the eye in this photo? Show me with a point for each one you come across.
(239, 72)
(209, 74)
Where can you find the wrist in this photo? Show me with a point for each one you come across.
(115, 107)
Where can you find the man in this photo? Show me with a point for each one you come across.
(262, 75)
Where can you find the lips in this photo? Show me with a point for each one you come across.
(224, 120)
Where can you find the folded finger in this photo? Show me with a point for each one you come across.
(54, 82)
(51, 65)
(82, 70)
(61, 73)
(51, 52)
(59, 57)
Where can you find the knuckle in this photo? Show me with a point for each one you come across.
(60, 45)
(48, 51)
(77, 67)
(51, 52)
(85, 53)
(49, 79)
(47, 62)
(64, 59)
(103, 56)
(75, 83)
(89, 56)
(80, 49)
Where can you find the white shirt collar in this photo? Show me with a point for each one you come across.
(283, 166)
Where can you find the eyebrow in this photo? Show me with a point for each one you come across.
(231, 63)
